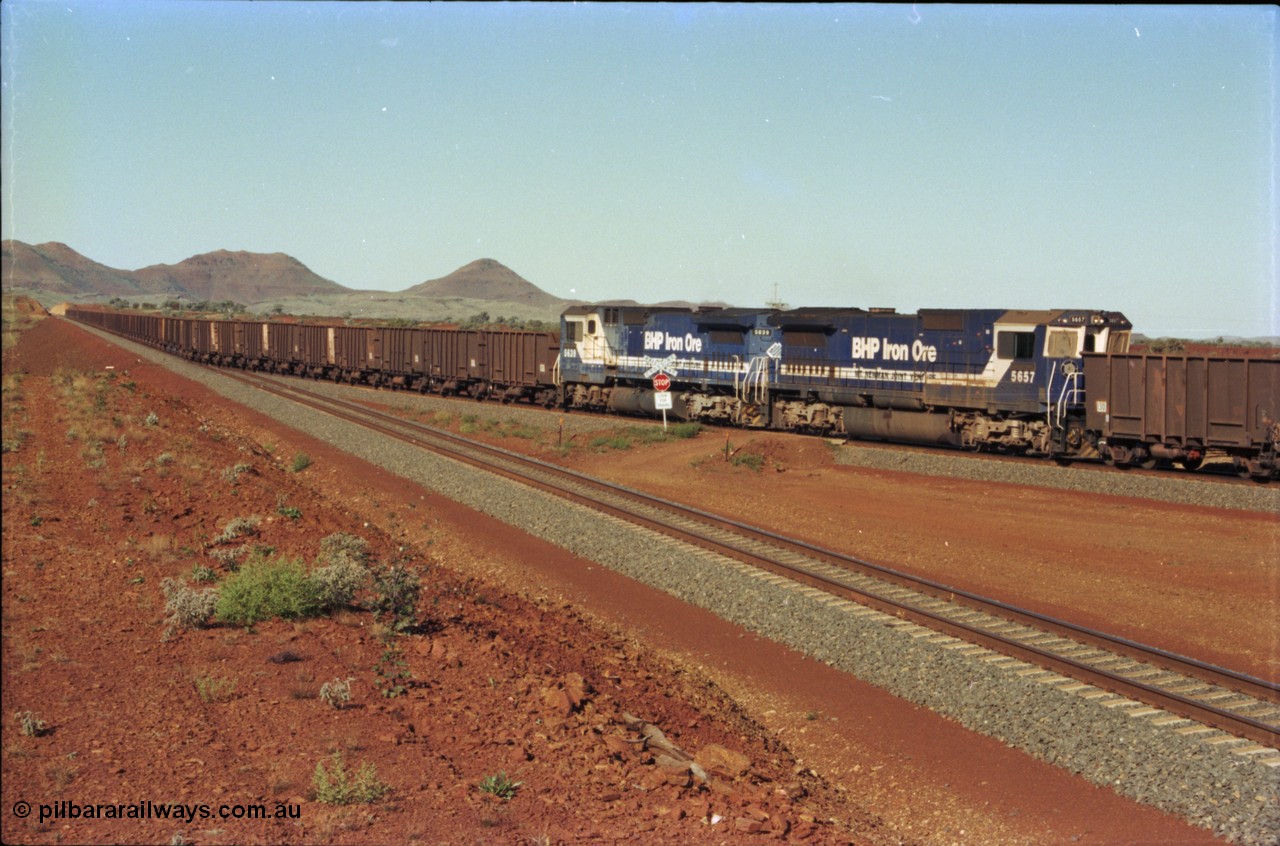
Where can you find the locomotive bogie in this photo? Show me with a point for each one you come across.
(807, 417)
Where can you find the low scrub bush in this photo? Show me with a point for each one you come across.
(500, 785)
(186, 607)
(395, 604)
(213, 688)
(391, 673)
(342, 546)
(341, 569)
(30, 725)
(264, 589)
(227, 555)
(301, 462)
(239, 527)
(338, 583)
(201, 573)
(334, 786)
(336, 693)
(234, 472)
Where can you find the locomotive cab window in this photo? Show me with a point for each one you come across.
(1016, 345)
(1062, 343)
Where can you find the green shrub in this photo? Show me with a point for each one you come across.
(683, 431)
(215, 688)
(201, 573)
(301, 462)
(334, 786)
(261, 590)
(499, 785)
(395, 604)
(391, 673)
(611, 442)
(747, 459)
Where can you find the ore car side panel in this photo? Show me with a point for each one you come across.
(1195, 401)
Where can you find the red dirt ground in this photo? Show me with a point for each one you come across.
(534, 656)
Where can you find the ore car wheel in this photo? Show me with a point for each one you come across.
(1149, 463)
(1191, 464)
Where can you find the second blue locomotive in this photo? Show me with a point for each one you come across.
(981, 379)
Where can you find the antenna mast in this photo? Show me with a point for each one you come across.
(775, 303)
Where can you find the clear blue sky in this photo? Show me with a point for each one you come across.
(907, 156)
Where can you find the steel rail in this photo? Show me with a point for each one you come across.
(1260, 689)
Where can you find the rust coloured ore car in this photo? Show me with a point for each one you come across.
(1148, 408)
(505, 364)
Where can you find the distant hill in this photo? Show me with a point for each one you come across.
(486, 279)
(58, 269)
(54, 273)
(219, 276)
(239, 277)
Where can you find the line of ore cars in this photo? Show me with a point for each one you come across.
(1059, 384)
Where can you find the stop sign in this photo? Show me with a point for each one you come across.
(661, 382)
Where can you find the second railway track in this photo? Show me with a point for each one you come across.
(1188, 690)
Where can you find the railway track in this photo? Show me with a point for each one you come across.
(1191, 696)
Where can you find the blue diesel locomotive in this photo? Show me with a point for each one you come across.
(982, 379)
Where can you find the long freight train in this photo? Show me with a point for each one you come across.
(1059, 384)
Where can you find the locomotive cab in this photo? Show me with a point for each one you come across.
(587, 336)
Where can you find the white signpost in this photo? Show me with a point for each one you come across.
(662, 399)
